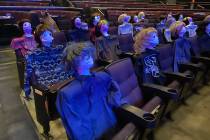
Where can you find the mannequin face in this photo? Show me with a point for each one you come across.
(96, 19)
(208, 29)
(78, 22)
(46, 38)
(126, 19)
(182, 32)
(181, 17)
(27, 29)
(153, 40)
(104, 28)
(135, 19)
(86, 62)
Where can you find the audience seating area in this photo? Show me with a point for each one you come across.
(148, 105)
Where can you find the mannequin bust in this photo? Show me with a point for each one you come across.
(182, 45)
(125, 27)
(26, 43)
(44, 68)
(148, 62)
(79, 30)
(96, 91)
(106, 45)
(94, 29)
(190, 26)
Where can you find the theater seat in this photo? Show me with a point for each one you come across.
(126, 43)
(59, 38)
(149, 97)
(118, 130)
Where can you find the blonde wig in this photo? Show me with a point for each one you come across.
(121, 18)
(141, 39)
(176, 28)
(141, 14)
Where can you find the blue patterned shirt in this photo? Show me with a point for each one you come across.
(45, 65)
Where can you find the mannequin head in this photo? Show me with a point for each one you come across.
(80, 57)
(124, 18)
(96, 19)
(44, 36)
(188, 21)
(207, 29)
(135, 19)
(25, 27)
(141, 15)
(180, 17)
(104, 27)
(77, 22)
(178, 29)
(170, 21)
(146, 39)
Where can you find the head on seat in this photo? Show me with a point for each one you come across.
(25, 27)
(147, 38)
(141, 15)
(43, 36)
(124, 18)
(80, 57)
(104, 27)
(178, 29)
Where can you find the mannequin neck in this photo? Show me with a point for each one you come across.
(83, 71)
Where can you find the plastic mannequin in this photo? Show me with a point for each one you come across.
(125, 27)
(94, 29)
(107, 45)
(97, 93)
(45, 64)
(147, 63)
(190, 26)
(182, 45)
(26, 43)
(79, 31)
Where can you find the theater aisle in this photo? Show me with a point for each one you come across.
(191, 122)
(15, 123)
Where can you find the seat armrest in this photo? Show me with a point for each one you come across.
(38, 87)
(104, 62)
(162, 91)
(178, 76)
(205, 60)
(56, 87)
(190, 66)
(126, 54)
(137, 116)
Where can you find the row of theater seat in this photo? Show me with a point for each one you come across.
(155, 101)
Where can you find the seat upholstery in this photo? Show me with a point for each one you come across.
(123, 73)
(126, 42)
(59, 38)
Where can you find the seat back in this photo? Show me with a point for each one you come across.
(123, 73)
(195, 47)
(126, 42)
(113, 30)
(59, 38)
(166, 57)
(64, 24)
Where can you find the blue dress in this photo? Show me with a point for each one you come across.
(85, 106)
